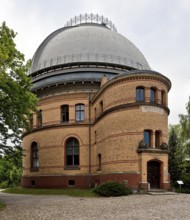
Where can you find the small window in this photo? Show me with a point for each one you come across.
(157, 139)
(147, 137)
(33, 182)
(94, 112)
(95, 136)
(34, 156)
(99, 161)
(39, 118)
(163, 98)
(65, 113)
(31, 121)
(72, 152)
(101, 107)
(71, 183)
(152, 95)
(79, 112)
(140, 94)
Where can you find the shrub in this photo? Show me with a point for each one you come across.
(112, 189)
(186, 179)
(4, 185)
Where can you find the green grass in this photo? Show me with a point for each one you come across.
(2, 206)
(69, 192)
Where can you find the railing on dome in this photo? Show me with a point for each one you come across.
(91, 18)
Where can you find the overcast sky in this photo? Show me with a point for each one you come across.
(159, 28)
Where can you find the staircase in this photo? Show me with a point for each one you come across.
(157, 192)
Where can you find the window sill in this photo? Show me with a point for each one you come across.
(72, 168)
(34, 169)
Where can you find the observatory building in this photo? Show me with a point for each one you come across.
(102, 112)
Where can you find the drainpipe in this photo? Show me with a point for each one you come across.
(89, 136)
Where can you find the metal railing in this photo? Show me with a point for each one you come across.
(91, 18)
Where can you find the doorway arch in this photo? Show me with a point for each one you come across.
(154, 173)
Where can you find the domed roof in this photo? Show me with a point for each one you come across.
(88, 43)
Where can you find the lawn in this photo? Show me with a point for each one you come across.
(69, 192)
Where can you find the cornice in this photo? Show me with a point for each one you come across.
(133, 75)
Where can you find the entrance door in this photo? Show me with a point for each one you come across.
(153, 174)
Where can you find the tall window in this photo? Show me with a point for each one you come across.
(72, 152)
(99, 161)
(147, 137)
(101, 107)
(157, 139)
(31, 121)
(79, 112)
(140, 95)
(163, 98)
(65, 113)
(34, 156)
(39, 118)
(153, 95)
(95, 113)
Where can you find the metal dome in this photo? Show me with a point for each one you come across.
(92, 41)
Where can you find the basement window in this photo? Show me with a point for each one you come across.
(71, 183)
(33, 182)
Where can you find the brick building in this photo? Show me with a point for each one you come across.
(102, 112)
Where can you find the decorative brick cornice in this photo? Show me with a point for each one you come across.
(134, 76)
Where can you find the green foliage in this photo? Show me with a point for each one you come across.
(112, 189)
(174, 166)
(179, 147)
(11, 168)
(185, 132)
(185, 188)
(67, 191)
(17, 102)
(185, 177)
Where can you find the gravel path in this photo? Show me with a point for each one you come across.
(29, 207)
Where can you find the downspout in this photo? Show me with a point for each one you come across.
(90, 144)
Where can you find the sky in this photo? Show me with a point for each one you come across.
(159, 28)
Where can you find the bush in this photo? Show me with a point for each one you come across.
(4, 185)
(186, 179)
(112, 189)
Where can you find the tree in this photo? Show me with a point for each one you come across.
(17, 102)
(185, 130)
(11, 168)
(185, 138)
(173, 143)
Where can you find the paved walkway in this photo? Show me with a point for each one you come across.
(134, 207)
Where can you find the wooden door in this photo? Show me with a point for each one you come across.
(153, 174)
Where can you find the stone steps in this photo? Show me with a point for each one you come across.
(158, 192)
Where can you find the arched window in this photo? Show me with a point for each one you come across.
(72, 152)
(152, 95)
(39, 118)
(147, 137)
(65, 113)
(34, 156)
(140, 95)
(79, 112)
